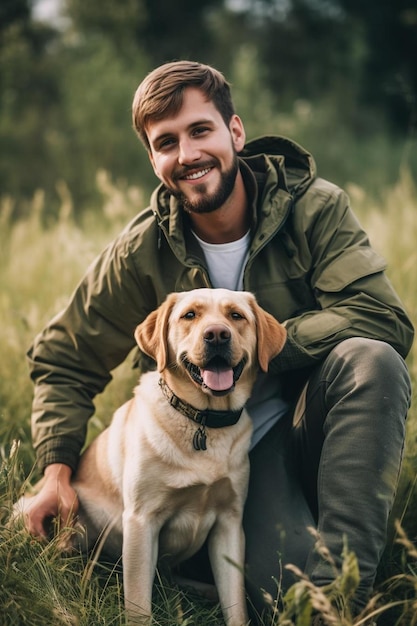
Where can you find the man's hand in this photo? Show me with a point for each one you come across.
(56, 499)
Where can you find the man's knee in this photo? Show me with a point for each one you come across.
(367, 348)
(362, 381)
(372, 360)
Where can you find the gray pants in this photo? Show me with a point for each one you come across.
(332, 464)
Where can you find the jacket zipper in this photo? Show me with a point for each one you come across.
(266, 240)
(195, 265)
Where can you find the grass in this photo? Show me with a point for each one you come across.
(40, 265)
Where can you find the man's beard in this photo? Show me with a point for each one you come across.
(206, 203)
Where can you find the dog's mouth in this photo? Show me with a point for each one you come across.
(217, 376)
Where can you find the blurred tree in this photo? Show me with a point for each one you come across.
(297, 67)
(64, 110)
(29, 98)
(390, 66)
(118, 22)
(308, 50)
(179, 29)
(96, 100)
(12, 11)
(166, 30)
(364, 50)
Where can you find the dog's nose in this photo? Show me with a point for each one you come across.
(216, 334)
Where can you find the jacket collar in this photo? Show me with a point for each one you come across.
(276, 171)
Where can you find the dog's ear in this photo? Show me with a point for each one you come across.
(152, 334)
(271, 336)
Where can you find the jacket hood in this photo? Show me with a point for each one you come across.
(294, 162)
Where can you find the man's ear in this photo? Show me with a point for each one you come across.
(237, 131)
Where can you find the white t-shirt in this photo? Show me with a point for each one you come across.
(226, 263)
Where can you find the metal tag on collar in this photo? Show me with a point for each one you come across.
(200, 439)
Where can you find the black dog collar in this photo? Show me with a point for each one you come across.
(207, 417)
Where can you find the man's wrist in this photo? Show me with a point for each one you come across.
(58, 471)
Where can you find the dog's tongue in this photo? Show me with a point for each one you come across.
(217, 378)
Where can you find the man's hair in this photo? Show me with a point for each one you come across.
(161, 92)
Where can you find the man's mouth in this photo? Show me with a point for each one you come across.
(218, 377)
(197, 175)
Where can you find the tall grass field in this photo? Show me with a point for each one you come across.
(40, 264)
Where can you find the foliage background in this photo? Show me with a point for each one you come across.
(340, 69)
(339, 76)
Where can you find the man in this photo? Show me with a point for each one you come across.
(329, 415)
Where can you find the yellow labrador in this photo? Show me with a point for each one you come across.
(172, 468)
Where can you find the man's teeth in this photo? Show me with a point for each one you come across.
(197, 174)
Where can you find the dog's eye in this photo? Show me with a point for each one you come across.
(236, 316)
(190, 315)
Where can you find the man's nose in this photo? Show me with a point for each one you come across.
(188, 152)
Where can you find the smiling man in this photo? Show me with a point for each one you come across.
(329, 415)
(196, 158)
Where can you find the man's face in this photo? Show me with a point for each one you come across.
(194, 153)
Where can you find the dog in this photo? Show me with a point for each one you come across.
(172, 468)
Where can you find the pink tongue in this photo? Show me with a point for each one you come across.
(218, 379)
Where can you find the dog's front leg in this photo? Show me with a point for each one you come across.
(227, 554)
(140, 554)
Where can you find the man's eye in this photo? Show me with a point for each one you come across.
(200, 130)
(166, 143)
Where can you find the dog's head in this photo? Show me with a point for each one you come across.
(213, 337)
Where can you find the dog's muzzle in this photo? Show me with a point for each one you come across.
(217, 375)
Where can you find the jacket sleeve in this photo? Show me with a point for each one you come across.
(71, 360)
(354, 298)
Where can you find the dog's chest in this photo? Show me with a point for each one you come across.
(190, 514)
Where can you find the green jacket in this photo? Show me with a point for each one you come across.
(310, 265)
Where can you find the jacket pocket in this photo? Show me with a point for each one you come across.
(314, 328)
(347, 268)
